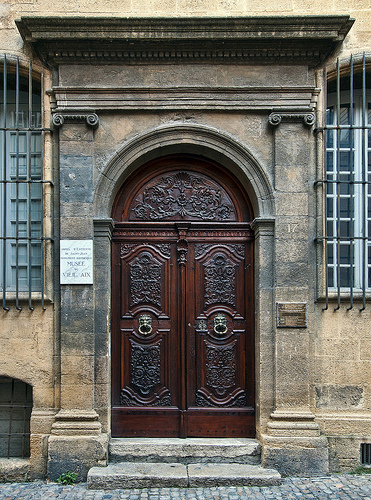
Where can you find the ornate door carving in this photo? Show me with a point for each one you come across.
(182, 312)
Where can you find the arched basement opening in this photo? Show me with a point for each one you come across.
(15, 415)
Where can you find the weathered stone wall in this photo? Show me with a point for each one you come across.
(29, 353)
(331, 359)
(341, 380)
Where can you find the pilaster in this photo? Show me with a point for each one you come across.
(291, 440)
(78, 441)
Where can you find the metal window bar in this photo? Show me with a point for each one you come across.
(16, 411)
(364, 178)
(362, 236)
(14, 175)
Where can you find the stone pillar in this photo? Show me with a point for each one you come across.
(292, 443)
(76, 442)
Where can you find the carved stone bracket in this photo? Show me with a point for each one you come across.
(91, 119)
(276, 118)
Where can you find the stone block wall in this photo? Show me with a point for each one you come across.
(331, 360)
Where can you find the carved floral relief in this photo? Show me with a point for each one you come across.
(183, 196)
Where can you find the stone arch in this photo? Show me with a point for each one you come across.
(185, 138)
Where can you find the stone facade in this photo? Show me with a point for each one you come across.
(109, 112)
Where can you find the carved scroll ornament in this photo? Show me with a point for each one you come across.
(145, 280)
(220, 281)
(183, 196)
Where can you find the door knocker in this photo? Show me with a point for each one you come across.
(220, 324)
(145, 324)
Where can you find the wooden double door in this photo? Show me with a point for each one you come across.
(182, 323)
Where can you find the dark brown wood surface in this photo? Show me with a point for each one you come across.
(182, 311)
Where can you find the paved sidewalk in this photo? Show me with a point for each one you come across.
(337, 487)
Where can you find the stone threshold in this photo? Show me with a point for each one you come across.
(185, 451)
(175, 475)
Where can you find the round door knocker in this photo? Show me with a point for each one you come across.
(145, 324)
(220, 324)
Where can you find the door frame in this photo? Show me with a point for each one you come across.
(235, 156)
(244, 211)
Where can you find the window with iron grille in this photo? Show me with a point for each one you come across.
(365, 453)
(348, 183)
(22, 238)
(15, 415)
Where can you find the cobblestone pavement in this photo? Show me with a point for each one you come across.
(337, 487)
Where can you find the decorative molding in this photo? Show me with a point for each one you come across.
(305, 40)
(91, 119)
(263, 227)
(145, 367)
(202, 249)
(103, 228)
(163, 248)
(220, 281)
(206, 400)
(73, 422)
(185, 196)
(145, 280)
(276, 118)
(294, 99)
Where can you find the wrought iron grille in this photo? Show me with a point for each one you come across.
(22, 187)
(347, 184)
(15, 414)
(365, 453)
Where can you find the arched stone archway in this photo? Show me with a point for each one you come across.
(191, 139)
(224, 149)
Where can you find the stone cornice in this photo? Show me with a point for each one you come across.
(291, 40)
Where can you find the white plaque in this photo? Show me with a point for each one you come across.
(76, 262)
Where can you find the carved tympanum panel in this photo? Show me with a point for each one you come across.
(181, 195)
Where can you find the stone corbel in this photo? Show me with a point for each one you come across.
(276, 118)
(91, 119)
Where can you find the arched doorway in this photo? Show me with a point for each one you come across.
(182, 303)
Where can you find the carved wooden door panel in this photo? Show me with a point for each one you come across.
(182, 310)
(220, 335)
(145, 347)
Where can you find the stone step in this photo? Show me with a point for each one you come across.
(175, 475)
(185, 451)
